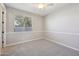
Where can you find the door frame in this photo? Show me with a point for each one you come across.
(0, 28)
(4, 29)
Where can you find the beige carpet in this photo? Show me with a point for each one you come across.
(38, 48)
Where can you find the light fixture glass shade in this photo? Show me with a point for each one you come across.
(42, 5)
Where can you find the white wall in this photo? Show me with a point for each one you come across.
(14, 37)
(62, 25)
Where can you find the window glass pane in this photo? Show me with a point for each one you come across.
(22, 24)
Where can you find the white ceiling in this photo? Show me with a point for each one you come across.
(31, 7)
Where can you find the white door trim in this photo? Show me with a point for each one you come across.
(4, 18)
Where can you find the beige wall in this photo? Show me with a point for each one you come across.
(13, 37)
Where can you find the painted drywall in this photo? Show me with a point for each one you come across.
(13, 37)
(62, 25)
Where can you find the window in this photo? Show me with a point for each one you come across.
(22, 23)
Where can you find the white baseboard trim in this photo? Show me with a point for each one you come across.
(21, 42)
(62, 44)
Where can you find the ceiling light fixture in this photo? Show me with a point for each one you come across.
(42, 5)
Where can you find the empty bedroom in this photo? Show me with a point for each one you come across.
(39, 29)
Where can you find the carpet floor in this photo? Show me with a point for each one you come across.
(38, 48)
